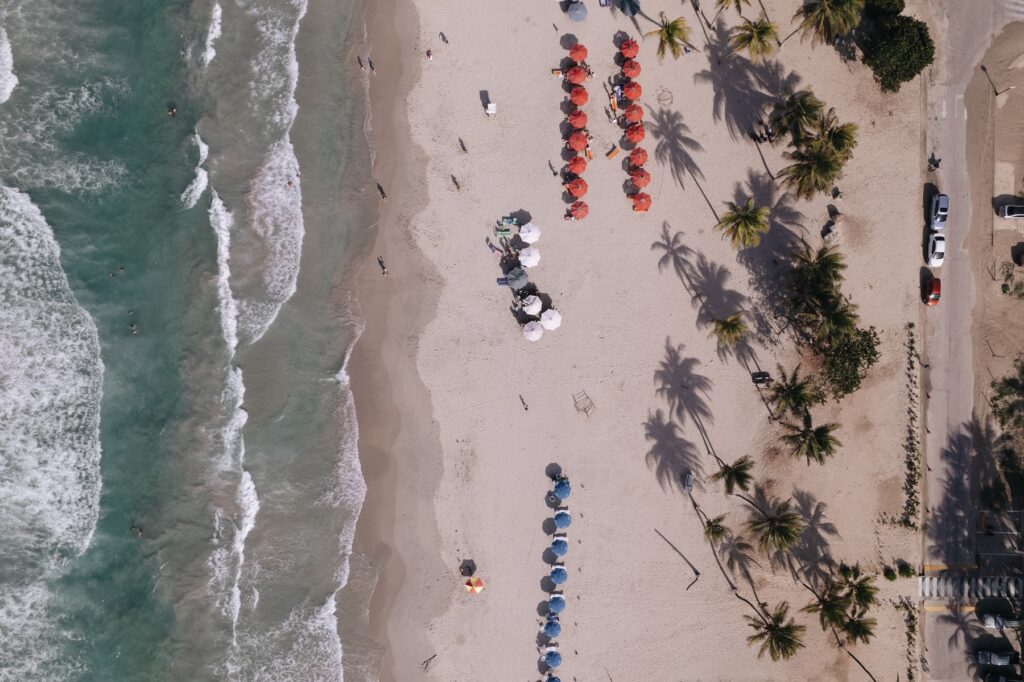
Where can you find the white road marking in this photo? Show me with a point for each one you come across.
(943, 108)
(959, 106)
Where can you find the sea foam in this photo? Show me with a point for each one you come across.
(195, 189)
(8, 81)
(50, 389)
(212, 34)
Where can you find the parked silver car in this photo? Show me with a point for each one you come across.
(1011, 211)
(936, 250)
(940, 211)
(984, 657)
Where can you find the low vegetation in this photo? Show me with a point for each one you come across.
(1008, 398)
(897, 47)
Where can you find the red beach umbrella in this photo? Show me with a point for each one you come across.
(576, 165)
(634, 113)
(578, 141)
(631, 69)
(579, 210)
(635, 133)
(641, 202)
(640, 178)
(629, 48)
(576, 75)
(632, 90)
(638, 156)
(577, 187)
(578, 119)
(578, 52)
(578, 95)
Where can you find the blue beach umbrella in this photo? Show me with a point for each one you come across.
(563, 520)
(563, 489)
(553, 679)
(552, 659)
(577, 11)
(556, 604)
(559, 575)
(559, 547)
(552, 628)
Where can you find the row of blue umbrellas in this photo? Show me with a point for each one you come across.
(556, 603)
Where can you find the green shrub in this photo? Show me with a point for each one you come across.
(889, 572)
(905, 570)
(847, 361)
(880, 8)
(899, 49)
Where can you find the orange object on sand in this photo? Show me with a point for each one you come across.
(631, 69)
(577, 187)
(576, 165)
(474, 585)
(638, 156)
(578, 141)
(640, 178)
(612, 153)
(635, 133)
(576, 75)
(578, 95)
(579, 210)
(632, 90)
(578, 52)
(590, 153)
(641, 202)
(629, 48)
(634, 113)
(578, 119)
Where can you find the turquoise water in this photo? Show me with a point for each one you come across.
(153, 499)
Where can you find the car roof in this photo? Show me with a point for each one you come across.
(942, 199)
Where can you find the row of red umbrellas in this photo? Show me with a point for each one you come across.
(578, 140)
(635, 132)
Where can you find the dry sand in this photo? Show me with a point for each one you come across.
(456, 465)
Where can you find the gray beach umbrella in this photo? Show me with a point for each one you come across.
(552, 659)
(532, 305)
(552, 628)
(629, 7)
(516, 278)
(532, 331)
(529, 233)
(577, 11)
(556, 604)
(563, 520)
(551, 319)
(559, 575)
(559, 547)
(529, 257)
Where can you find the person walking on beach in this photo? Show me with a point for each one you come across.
(361, 65)
(383, 194)
(383, 268)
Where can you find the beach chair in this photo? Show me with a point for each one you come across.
(590, 153)
(492, 109)
(502, 231)
(613, 152)
(557, 72)
(559, 534)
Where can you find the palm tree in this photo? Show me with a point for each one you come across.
(778, 635)
(776, 529)
(861, 588)
(1008, 398)
(796, 114)
(859, 628)
(759, 38)
(730, 330)
(812, 442)
(672, 36)
(793, 394)
(841, 138)
(822, 268)
(814, 170)
(722, 5)
(831, 607)
(827, 20)
(836, 321)
(744, 224)
(715, 529)
(735, 475)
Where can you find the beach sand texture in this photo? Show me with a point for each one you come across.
(636, 339)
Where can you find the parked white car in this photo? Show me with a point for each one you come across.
(936, 250)
(1011, 211)
(939, 212)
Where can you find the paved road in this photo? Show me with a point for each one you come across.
(965, 29)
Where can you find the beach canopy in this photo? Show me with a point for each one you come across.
(640, 178)
(577, 11)
(559, 575)
(553, 679)
(552, 628)
(467, 568)
(641, 202)
(578, 141)
(576, 75)
(578, 95)
(579, 210)
(531, 306)
(578, 52)
(551, 319)
(635, 133)
(634, 113)
(529, 233)
(576, 187)
(474, 585)
(552, 659)
(562, 487)
(629, 48)
(529, 257)
(532, 331)
(556, 604)
(638, 156)
(632, 90)
(631, 69)
(559, 547)
(578, 119)
(516, 278)
(576, 165)
(563, 519)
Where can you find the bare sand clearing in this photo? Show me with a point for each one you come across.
(637, 342)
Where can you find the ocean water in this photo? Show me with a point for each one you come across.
(179, 481)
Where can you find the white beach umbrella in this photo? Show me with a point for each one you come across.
(531, 305)
(533, 331)
(529, 233)
(551, 319)
(529, 257)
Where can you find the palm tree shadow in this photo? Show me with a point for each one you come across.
(950, 521)
(769, 263)
(682, 387)
(670, 454)
(738, 555)
(674, 147)
(773, 80)
(716, 300)
(812, 553)
(737, 99)
(675, 254)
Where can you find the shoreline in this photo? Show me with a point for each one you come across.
(401, 474)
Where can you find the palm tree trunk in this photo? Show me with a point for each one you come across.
(753, 504)
(791, 34)
(839, 642)
(704, 194)
(702, 517)
(764, 162)
(757, 608)
(765, 13)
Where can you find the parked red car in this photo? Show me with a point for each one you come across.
(932, 290)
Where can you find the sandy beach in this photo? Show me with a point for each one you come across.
(460, 417)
